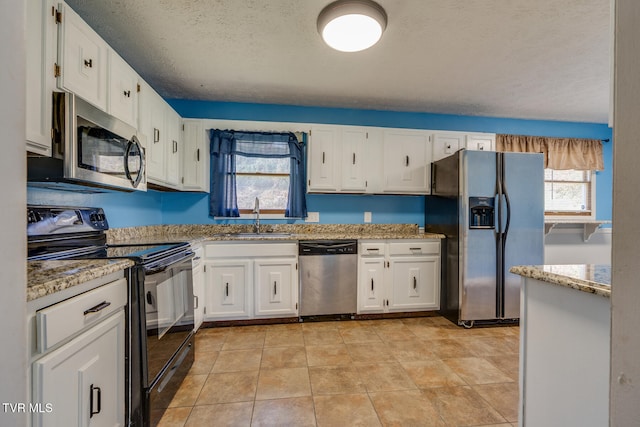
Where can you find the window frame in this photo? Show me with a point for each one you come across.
(559, 215)
(264, 213)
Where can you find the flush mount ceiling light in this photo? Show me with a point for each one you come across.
(352, 25)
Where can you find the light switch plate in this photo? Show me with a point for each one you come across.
(312, 217)
(367, 217)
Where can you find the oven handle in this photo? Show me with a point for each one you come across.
(162, 267)
(173, 369)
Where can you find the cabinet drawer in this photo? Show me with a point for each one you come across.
(243, 250)
(59, 321)
(372, 248)
(415, 248)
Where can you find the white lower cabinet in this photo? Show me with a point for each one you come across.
(398, 275)
(227, 289)
(198, 286)
(78, 373)
(276, 290)
(250, 280)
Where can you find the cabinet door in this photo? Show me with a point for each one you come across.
(322, 159)
(483, 142)
(82, 55)
(406, 162)
(40, 56)
(157, 140)
(194, 156)
(123, 93)
(415, 283)
(226, 290)
(353, 165)
(198, 295)
(445, 144)
(83, 380)
(371, 285)
(275, 287)
(173, 147)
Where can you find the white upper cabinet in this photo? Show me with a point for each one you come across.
(160, 129)
(481, 141)
(123, 90)
(323, 171)
(174, 147)
(407, 159)
(152, 129)
(82, 57)
(446, 143)
(344, 159)
(195, 156)
(353, 151)
(41, 37)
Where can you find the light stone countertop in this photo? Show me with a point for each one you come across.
(48, 277)
(296, 232)
(591, 278)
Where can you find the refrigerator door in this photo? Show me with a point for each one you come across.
(477, 246)
(524, 183)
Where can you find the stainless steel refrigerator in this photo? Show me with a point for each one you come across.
(490, 205)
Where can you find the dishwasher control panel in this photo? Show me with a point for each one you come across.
(328, 247)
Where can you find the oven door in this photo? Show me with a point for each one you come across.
(168, 314)
(101, 149)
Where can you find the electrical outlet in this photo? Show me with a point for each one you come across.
(312, 217)
(367, 217)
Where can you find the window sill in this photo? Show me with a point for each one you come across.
(589, 225)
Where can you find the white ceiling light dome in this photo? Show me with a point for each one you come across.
(352, 25)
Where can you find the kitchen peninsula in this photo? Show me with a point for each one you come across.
(564, 344)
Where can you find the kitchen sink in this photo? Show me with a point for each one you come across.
(255, 235)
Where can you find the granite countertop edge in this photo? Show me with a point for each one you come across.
(48, 277)
(546, 273)
(293, 237)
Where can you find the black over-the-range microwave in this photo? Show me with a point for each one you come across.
(90, 148)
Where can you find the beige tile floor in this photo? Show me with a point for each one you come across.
(402, 372)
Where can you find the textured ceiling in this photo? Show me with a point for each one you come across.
(537, 59)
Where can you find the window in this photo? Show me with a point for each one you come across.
(264, 178)
(250, 165)
(568, 192)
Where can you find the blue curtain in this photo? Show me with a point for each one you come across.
(222, 197)
(226, 144)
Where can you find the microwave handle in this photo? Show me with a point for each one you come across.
(134, 141)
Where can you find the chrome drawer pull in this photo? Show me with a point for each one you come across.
(97, 308)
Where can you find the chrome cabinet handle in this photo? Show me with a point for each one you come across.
(197, 302)
(97, 308)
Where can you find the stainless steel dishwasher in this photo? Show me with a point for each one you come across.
(328, 277)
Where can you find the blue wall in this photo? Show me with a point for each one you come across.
(126, 209)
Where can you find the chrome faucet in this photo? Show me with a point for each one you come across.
(256, 210)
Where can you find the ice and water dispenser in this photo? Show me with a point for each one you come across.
(481, 212)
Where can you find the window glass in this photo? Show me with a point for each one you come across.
(567, 192)
(264, 178)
